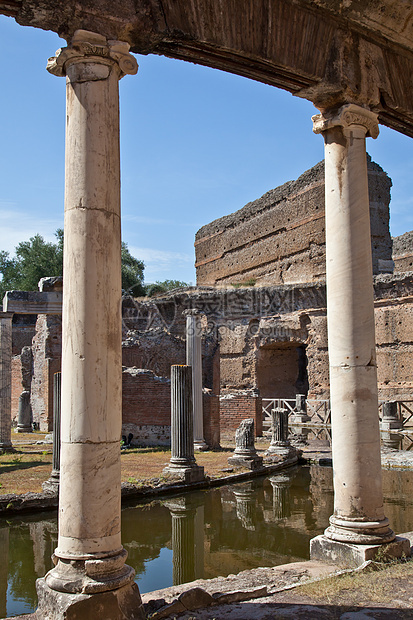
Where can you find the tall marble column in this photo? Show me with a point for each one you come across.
(358, 499)
(90, 571)
(5, 380)
(194, 359)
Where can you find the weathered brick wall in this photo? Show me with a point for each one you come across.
(280, 238)
(403, 252)
(146, 409)
(237, 407)
(212, 431)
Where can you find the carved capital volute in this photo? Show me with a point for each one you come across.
(346, 117)
(91, 47)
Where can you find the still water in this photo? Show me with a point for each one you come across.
(200, 535)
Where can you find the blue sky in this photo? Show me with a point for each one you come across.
(196, 144)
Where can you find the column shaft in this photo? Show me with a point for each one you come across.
(194, 359)
(358, 499)
(182, 447)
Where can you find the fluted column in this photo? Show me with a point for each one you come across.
(194, 359)
(358, 499)
(53, 482)
(182, 463)
(5, 380)
(89, 558)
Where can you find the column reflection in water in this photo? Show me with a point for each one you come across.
(4, 569)
(187, 540)
(245, 496)
(281, 505)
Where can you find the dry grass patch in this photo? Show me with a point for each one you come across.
(384, 584)
(21, 472)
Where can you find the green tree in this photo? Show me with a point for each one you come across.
(132, 273)
(38, 258)
(163, 287)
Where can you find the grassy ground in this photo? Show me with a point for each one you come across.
(30, 464)
(382, 585)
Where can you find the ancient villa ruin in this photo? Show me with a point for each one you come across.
(357, 71)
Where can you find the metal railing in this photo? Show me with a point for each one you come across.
(318, 410)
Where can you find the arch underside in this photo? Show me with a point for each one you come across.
(329, 52)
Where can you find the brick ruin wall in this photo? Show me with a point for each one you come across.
(266, 342)
(280, 237)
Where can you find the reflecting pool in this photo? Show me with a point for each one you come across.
(266, 522)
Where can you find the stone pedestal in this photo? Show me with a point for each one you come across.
(24, 418)
(358, 499)
(300, 413)
(350, 555)
(52, 484)
(90, 578)
(5, 380)
(390, 420)
(182, 464)
(194, 359)
(245, 454)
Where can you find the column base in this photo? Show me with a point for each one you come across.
(352, 555)
(200, 445)
(52, 483)
(359, 532)
(122, 604)
(24, 429)
(391, 425)
(250, 462)
(185, 474)
(90, 576)
(298, 418)
(7, 447)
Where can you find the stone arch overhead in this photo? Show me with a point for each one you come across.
(329, 52)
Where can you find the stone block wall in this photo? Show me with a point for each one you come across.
(237, 407)
(47, 355)
(403, 252)
(280, 237)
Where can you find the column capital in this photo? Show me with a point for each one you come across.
(191, 312)
(346, 116)
(93, 47)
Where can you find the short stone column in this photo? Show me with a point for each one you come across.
(52, 484)
(391, 420)
(90, 575)
(358, 499)
(182, 463)
(24, 416)
(194, 359)
(245, 454)
(280, 445)
(5, 380)
(300, 412)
